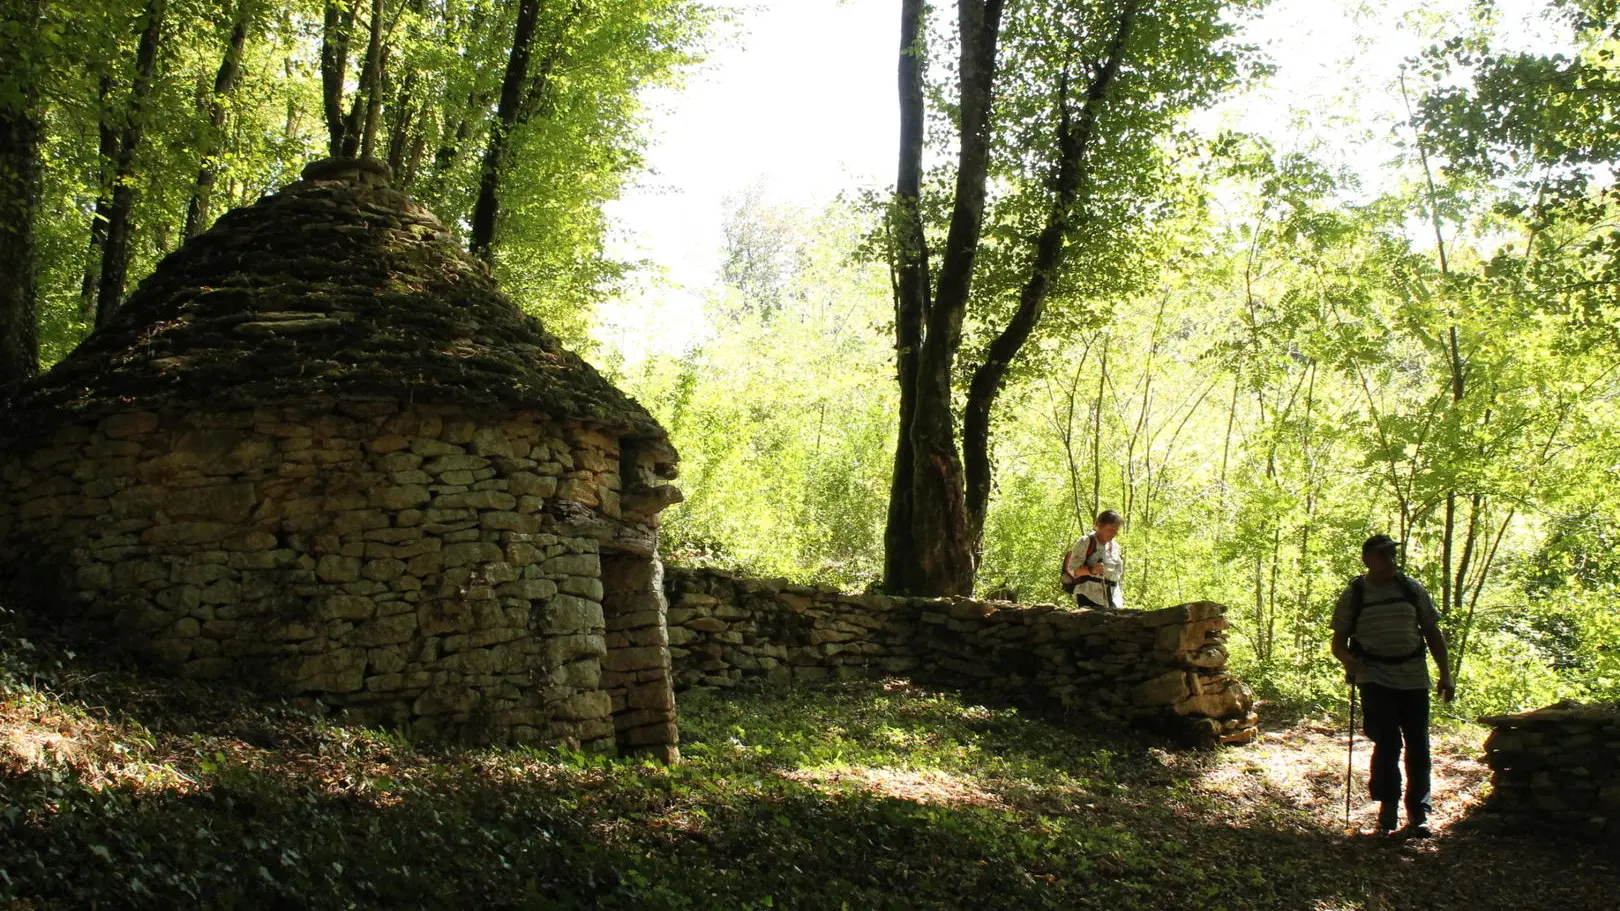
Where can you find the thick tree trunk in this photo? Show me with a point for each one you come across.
(19, 192)
(230, 71)
(336, 30)
(911, 291)
(944, 560)
(1074, 140)
(120, 218)
(486, 209)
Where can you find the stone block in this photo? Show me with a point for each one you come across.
(1168, 688)
(561, 650)
(528, 484)
(335, 568)
(215, 503)
(656, 695)
(528, 590)
(570, 614)
(585, 674)
(336, 671)
(129, 424)
(388, 443)
(358, 521)
(573, 565)
(445, 701)
(345, 607)
(383, 570)
(496, 520)
(584, 706)
(584, 586)
(462, 553)
(390, 630)
(444, 616)
(404, 496)
(187, 533)
(705, 624)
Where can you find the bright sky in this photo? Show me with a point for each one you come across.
(802, 102)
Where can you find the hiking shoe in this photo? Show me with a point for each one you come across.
(1388, 817)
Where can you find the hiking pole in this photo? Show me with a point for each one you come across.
(1350, 757)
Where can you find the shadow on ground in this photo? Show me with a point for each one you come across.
(120, 791)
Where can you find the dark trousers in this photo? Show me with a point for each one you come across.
(1391, 719)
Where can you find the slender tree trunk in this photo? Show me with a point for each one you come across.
(486, 209)
(1096, 430)
(230, 70)
(361, 137)
(402, 138)
(911, 296)
(1231, 421)
(120, 218)
(1076, 133)
(107, 163)
(19, 197)
(337, 29)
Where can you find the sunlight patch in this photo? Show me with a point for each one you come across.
(1302, 769)
(930, 786)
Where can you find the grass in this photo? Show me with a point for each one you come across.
(121, 791)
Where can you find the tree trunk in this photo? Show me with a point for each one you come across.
(486, 209)
(19, 197)
(361, 137)
(230, 71)
(1074, 140)
(336, 31)
(120, 218)
(106, 161)
(401, 137)
(941, 540)
(1096, 431)
(909, 255)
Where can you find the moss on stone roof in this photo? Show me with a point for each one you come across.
(336, 287)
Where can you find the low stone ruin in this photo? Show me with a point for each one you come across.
(1557, 768)
(1163, 669)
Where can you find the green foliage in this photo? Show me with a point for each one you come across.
(442, 69)
(783, 418)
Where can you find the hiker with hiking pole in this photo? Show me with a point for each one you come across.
(1384, 628)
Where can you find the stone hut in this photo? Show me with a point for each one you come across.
(319, 451)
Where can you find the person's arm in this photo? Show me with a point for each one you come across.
(1341, 650)
(1341, 634)
(1437, 647)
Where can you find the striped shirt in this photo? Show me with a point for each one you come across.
(1389, 625)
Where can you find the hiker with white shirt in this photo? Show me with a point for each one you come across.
(1093, 567)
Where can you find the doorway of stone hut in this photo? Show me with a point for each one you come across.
(636, 670)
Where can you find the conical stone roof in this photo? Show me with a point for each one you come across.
(336, 287)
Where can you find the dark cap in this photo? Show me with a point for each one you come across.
(1379, 542)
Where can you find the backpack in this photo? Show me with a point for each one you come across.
(1069, 582)
(1358, 600)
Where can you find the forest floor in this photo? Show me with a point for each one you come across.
(119, 790)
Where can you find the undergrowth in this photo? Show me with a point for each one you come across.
(121, 791)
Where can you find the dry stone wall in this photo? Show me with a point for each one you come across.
(404, 562)
(1161, 668)
(1556, 768)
